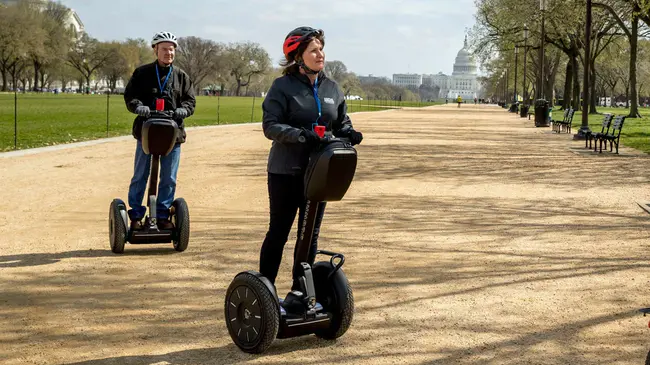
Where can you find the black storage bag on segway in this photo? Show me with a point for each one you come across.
(159, 136)
(330, 171)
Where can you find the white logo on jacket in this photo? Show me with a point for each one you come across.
(328, 100)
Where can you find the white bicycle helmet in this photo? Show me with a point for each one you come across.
(163, 37)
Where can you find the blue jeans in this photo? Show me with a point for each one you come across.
(166, 184)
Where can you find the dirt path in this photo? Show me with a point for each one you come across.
(470, 236)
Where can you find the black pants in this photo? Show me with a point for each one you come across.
(286, 196)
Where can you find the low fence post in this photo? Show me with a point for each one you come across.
(15, 117)
(253, 109)
(108, 103)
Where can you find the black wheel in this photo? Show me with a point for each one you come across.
(181, 220)
(647, 359)
(116, 225)
(335, 295)
(252, 313)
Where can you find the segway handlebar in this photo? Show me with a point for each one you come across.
(166, 114)
(334, 138)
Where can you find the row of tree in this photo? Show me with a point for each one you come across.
(40, 49)
(618, 57)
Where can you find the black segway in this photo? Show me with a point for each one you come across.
(159, 134)
(324, 305)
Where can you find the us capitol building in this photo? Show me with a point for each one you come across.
(461, 82)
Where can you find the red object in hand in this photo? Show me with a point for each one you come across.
(320, 130)
(160, 104)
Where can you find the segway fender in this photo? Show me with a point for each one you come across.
(266, 282)
(125, 218)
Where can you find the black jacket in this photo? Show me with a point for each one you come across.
(289, 106)
(143, 89)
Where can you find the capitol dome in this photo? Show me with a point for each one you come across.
(464, 64)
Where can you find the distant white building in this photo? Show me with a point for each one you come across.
(370, 79)
(462, 82)
(74, 22)
(407, 80)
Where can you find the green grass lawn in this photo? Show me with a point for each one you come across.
(47, 119)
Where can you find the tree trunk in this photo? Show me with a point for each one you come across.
(4, 79)
(592, 81)
(627, 96)
(568, 81)
(634, 109)
(576, 83)
(238, 87)
(551, 75)
(37, 69)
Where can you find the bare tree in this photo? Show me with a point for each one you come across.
(87, 56)
(200, 58)
(336, 70)
(117, 68)
(244, 60)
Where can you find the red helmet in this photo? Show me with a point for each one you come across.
(297, 37)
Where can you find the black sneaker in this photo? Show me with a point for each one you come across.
(165, 224)
(136, 225)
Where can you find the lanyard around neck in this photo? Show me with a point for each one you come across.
(162, 87)
(316, 97)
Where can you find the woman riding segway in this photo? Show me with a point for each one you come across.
(299, 103)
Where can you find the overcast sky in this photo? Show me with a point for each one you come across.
(379, 37)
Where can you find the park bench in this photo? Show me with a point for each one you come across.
(613, 136)
(591, 136)
(559, 125)
(555, 123)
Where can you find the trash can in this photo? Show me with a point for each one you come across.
(541, 113)
(523, 111)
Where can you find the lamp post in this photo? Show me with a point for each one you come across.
(507, 86)
(503, 87)
(584, 126)
(525, 63)
(524, 109)
(542, 8)
(516, 66)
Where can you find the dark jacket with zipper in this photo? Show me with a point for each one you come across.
(288, 107)
(143, 89)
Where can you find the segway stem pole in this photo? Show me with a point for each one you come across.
(307, 231)
(153, 183)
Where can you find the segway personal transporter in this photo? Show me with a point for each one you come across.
(324, 305)
(159, 134)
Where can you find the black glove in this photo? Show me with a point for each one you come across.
(355, 137)
(143, 111)
(180, 113)
(308, 137)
